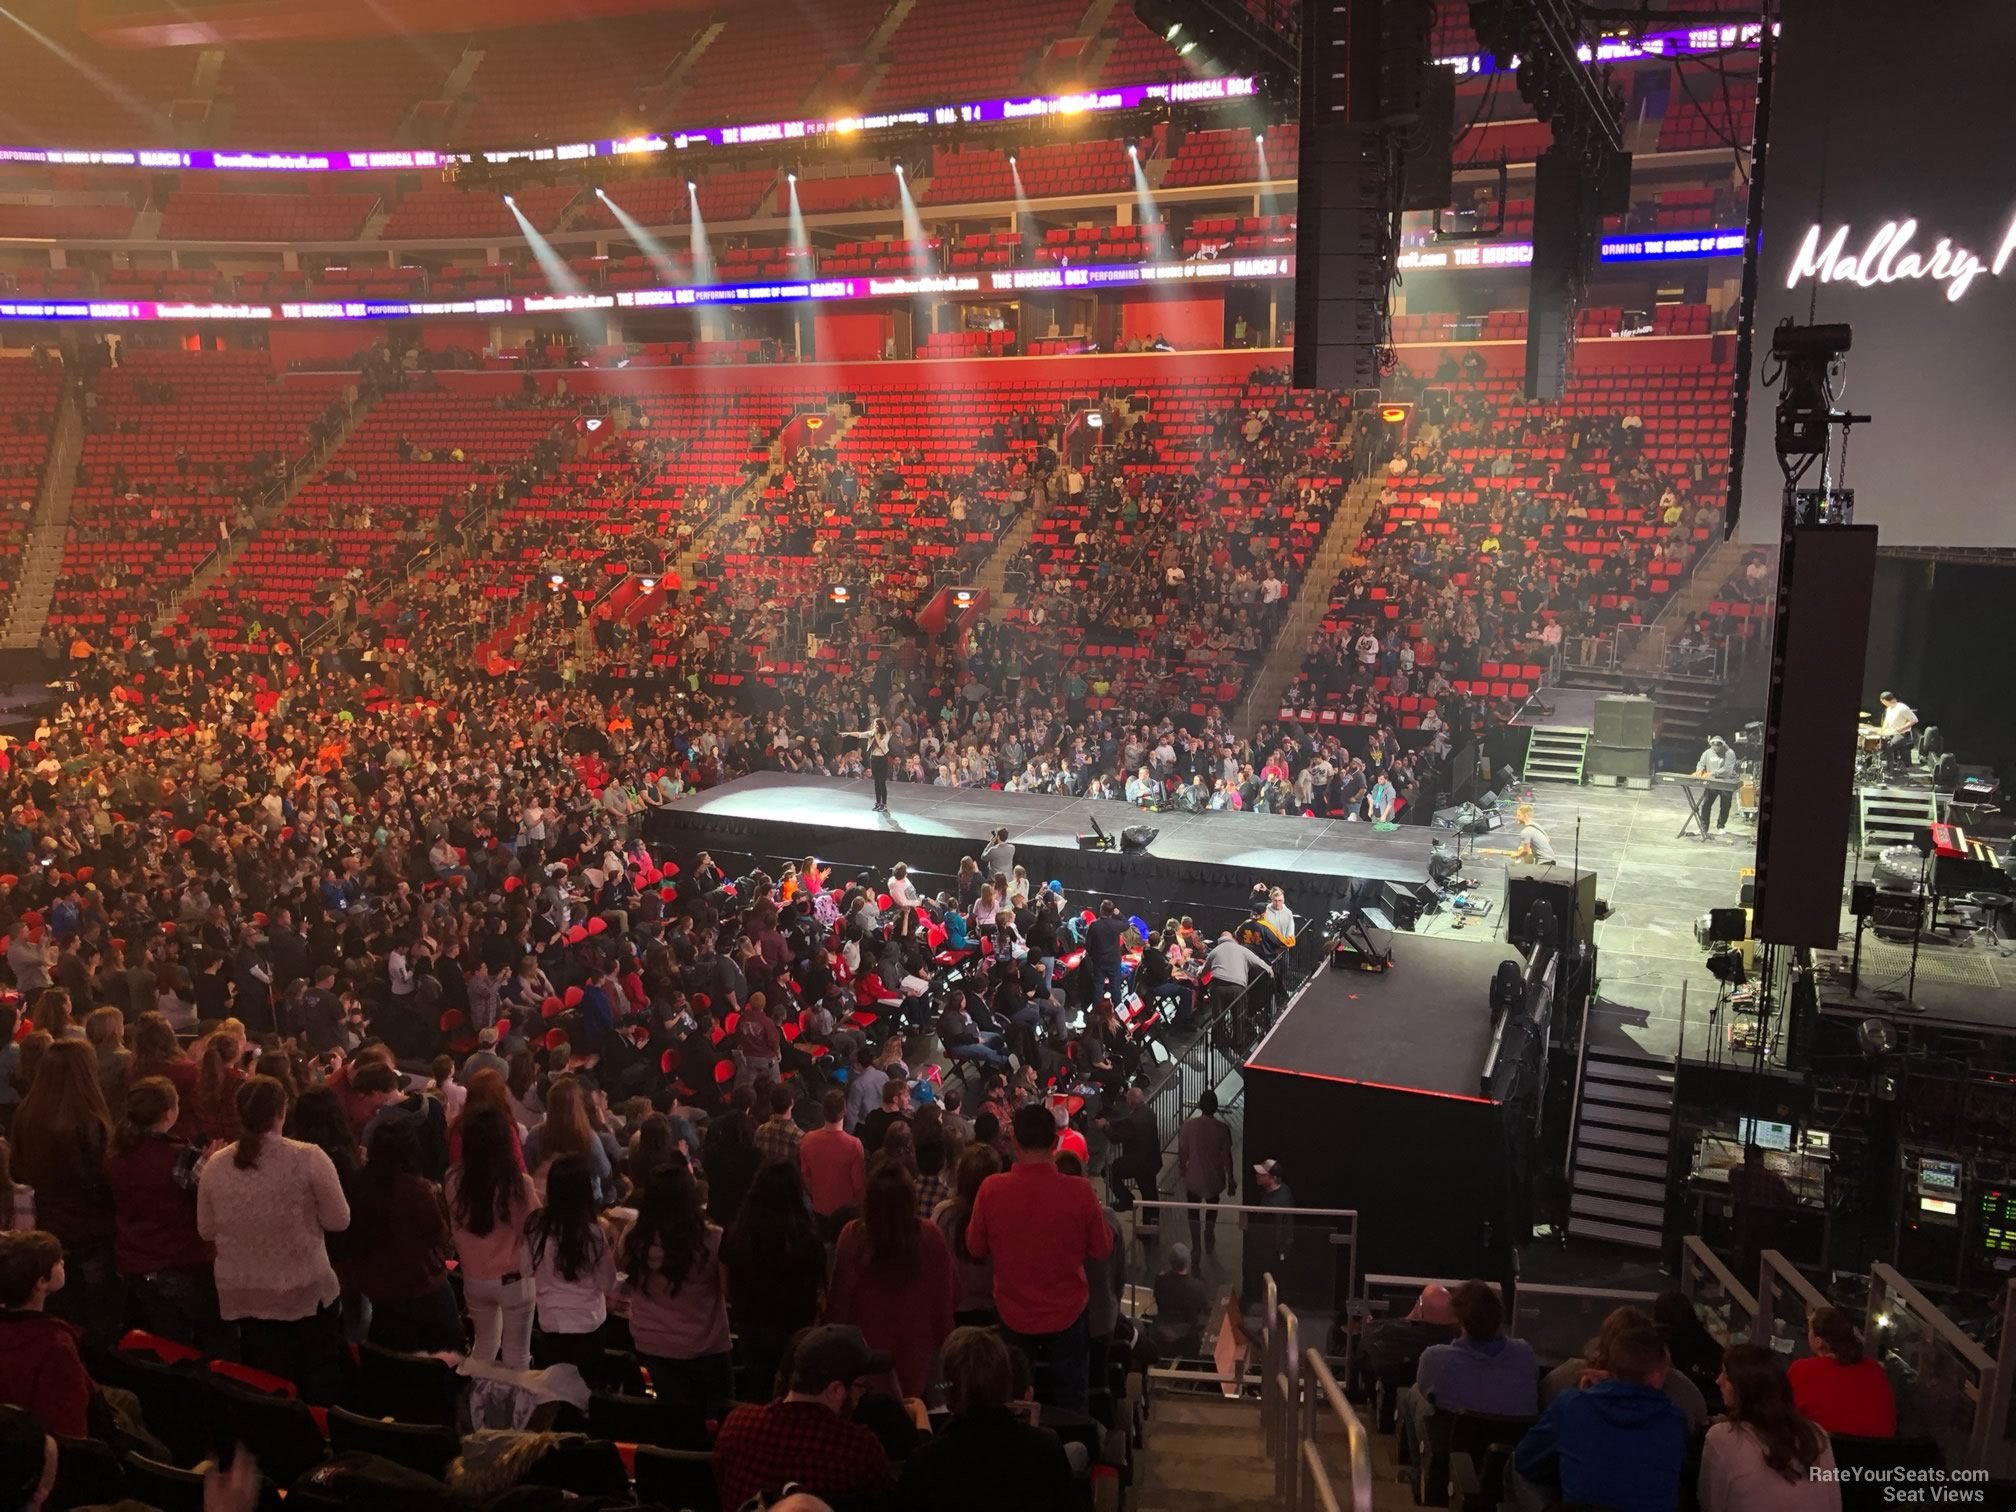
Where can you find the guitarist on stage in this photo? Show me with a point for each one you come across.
(1718, 762)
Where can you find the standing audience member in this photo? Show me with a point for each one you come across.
(399, 1246)
(1204, 1160)
(266, 1202)
(678, 1307)
(835, 1165)
(776, 1266)
(573, 1270)
(1838, 1386)
(973, 1299)
(167, 1266)
(1040, 1227)
(61, 1132)
(893, 1278)
(489, 1200)
(1764, 1456)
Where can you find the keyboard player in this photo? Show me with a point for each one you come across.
(1718, 765)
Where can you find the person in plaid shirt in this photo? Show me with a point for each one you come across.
(808, 1437)
(778, 1135)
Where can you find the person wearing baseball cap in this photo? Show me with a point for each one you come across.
(809, 1436)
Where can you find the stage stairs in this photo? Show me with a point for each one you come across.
(1894, 816)
(1555, 753)
(1617, 1172)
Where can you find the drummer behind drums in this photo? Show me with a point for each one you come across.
(1718, 764)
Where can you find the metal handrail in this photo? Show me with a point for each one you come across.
(1888, 1290)
(1358, 1444)
(1774, 1271)
(1694, 1253)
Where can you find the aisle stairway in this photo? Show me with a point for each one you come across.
(1716, 566)
(1334, 555)
(1623, 1130)
(1203, 1454)
(42, 554)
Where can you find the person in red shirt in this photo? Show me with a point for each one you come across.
(1041, 1226)
(1838, 1386)
(808, 1437)
(835, 1167)
(41, 1370)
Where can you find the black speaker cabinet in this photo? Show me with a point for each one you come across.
(1624, 721)
(1570, 894)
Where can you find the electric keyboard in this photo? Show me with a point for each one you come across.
(1713, 784)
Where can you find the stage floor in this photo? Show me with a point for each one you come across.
(1423, 1026)
(1253, 842)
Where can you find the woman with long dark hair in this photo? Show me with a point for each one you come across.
(152, 1175)
(678, 1310)
(730, 1160)
(399, 1233)
(1764, 1456)
(566, 1130)
(265, 1202)
(61, 1131)
(776, 1265)
(973, 1291)
(489, 1200)
(573, 1269)
(893, 1278)
(1838, 1386)
(211, 1111)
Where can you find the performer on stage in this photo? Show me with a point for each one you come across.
(1899, 720)
(1534, 846)
(878, 759)
(1719, 763)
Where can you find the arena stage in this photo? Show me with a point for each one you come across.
(1209, 859)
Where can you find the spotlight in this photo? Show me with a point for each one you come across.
(691, 187)
(1011, 160)
(1173, 33)
(1132, 150)
(1259, 139)
(556, 581)
(647, 584)
(601, 193)
(790, 178)
(899, 170)
(509, 201)
(1186, 49)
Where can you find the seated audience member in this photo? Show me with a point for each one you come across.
(1619, 1443)
(1838, 1386)
(808, 1436)
(1392, 1350)
(1182, 1303)
(1764, 1456)
(994, 1458)
(1478, 1371)
(41, 1369)
(1588, 1368)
